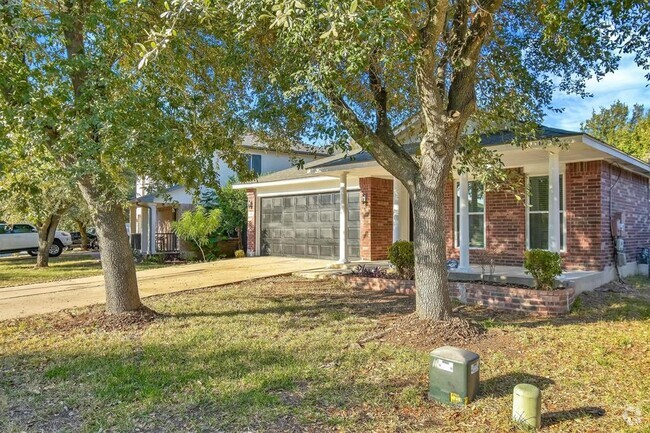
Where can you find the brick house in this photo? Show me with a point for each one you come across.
(582, 197)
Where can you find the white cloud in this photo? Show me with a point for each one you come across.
(627, 84)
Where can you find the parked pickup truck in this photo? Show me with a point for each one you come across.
(24, 237)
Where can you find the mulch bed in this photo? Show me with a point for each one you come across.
(409, 330)
(98, 319)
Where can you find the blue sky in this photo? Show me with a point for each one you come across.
(628, 84)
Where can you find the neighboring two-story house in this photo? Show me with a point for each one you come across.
(151, 214)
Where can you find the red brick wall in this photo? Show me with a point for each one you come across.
(452, 252)
(251, 196)
(629, 195)
(529, 301)
(376, 217)
(505, 227)
(583, 215)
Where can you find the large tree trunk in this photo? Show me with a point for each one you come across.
(46, 232)
(432, 294)
(85, 242)
(117, 258)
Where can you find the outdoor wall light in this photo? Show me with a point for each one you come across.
(364, 198)
(250, 204)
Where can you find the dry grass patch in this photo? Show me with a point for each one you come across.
(282, 355)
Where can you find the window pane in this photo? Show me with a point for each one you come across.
(561, 193)
(257, 164)
(476, 197)
(476, 238)
(562, 246)
(538, 194)
(538, 231)
(457, 231)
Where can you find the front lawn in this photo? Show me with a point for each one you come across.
(283, 355)
(19, 270)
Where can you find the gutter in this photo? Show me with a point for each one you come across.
(291, 181)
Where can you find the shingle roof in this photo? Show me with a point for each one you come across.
(250, 141)
(297, 173)
(543, 133)
(501, 137)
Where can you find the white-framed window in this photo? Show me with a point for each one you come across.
(537, 215)
(254, 163)
(476, 211)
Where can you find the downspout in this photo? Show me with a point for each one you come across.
(611, 230)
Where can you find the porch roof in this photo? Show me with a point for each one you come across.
(585, 147)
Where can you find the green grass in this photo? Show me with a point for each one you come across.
(276, 355)
(19, 270)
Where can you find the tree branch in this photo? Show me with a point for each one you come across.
(394, 159)
(427, 66)
(462, 92)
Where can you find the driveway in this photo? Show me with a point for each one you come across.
(21, 301)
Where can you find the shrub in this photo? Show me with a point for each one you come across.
(402, 256)
(197, 225)
(240, 253)
(544, 266)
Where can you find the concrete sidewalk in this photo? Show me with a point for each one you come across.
(21, 301)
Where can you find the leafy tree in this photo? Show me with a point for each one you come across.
(78, 218)
(35, 192)
(616, 125)
(233, 206)
(234, 212)
(196, 226)
(361, 68)
(70, 92)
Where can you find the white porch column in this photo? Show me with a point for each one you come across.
(153, 224)
(401, 208)
(144, 229)
(554, 201)
(463, 226)
(343, 218)
(397, 192)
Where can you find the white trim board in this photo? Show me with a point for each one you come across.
(292, 181)
(304, 191)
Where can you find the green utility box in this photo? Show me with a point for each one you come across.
(453, 375)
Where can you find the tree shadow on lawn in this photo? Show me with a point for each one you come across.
(355, 303)
(161, 387)
(501, 386)
(309, 299)
(156, 376)
(552, 418)
(64, 261)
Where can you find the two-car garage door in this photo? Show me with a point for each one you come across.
(307, 225)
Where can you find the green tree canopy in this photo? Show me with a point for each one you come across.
(617, 125)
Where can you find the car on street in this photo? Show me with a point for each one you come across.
(93, 243)
(15, 238)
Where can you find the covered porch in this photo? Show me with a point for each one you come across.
(151, 231)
